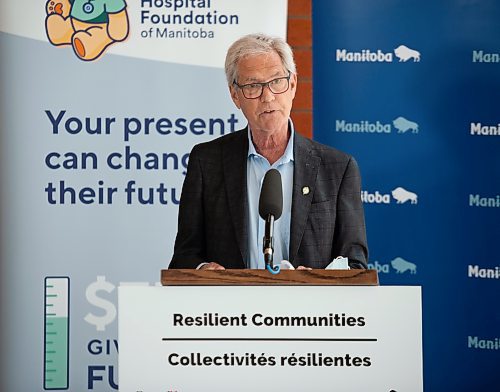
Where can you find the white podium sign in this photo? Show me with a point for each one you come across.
(263, 338)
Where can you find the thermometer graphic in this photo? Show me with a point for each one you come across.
(56, 333)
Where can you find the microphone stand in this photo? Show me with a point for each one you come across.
(268, 245)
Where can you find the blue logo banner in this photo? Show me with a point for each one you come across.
(411, 90)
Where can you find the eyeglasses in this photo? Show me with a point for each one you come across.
(254, 90)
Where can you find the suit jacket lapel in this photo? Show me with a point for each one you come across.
(305, 170)
(235, 152)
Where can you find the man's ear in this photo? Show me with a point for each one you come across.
(293, 84)
(234, 96)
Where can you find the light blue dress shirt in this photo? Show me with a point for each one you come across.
(257, 166)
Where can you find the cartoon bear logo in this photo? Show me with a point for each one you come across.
(89, 26)
(404, 53)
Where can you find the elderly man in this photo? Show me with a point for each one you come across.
(219, 223)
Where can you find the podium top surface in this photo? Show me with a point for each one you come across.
(252, 277)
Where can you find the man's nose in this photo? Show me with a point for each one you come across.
(267, 95)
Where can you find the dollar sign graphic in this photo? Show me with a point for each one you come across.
(100, 322)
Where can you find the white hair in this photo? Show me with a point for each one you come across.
(254, 44)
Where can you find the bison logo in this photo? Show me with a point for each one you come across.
(403, 125)
(404, 53)
(401, 265)
(402, 196)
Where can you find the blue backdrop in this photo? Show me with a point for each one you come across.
(412, 90)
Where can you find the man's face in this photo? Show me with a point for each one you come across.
(270, 112)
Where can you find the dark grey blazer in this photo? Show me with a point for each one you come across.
(326, 222)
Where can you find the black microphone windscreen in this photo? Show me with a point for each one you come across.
(271, 195)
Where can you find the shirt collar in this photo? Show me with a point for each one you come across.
(287, 155)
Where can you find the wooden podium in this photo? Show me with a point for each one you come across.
(248, 330)
(249, 277)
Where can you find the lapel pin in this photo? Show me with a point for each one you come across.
(305, 190)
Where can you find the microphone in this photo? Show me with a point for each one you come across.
(270, 209)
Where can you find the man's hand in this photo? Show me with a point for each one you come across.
(212, 266)
(301, 267)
